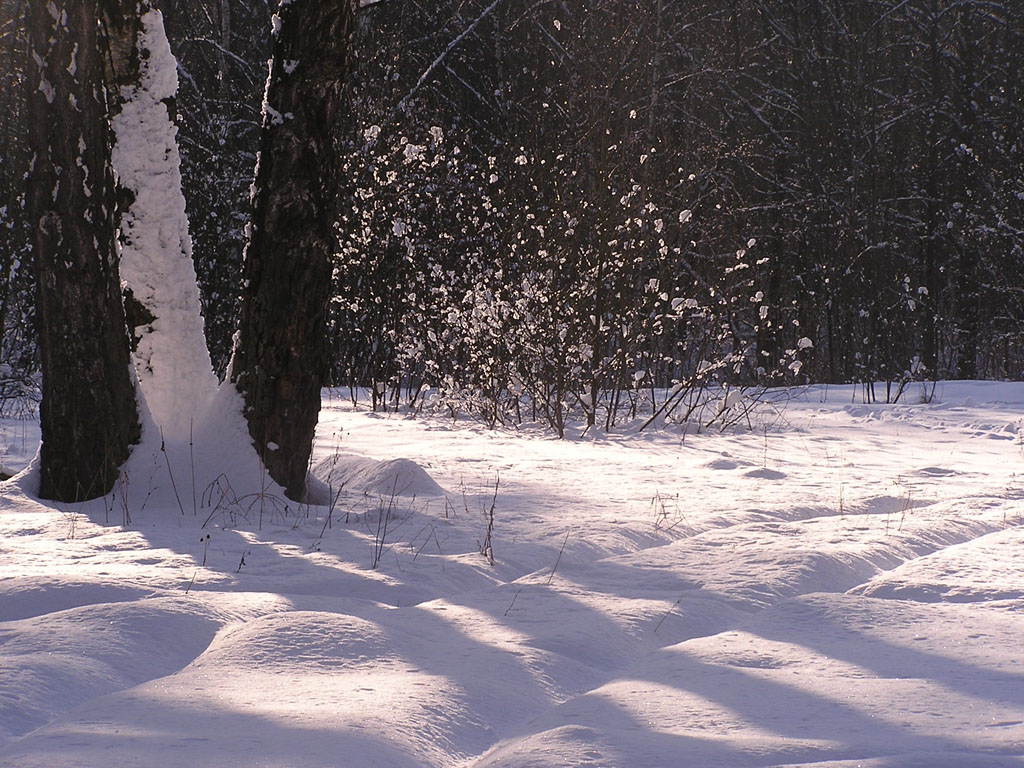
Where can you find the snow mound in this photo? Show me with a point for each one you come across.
(361, 474)
(981, 570)
(766, 474)
(565, 745)
(296, 639)
(55, 662)
(25, 597)
(722, 464)
(18, 441)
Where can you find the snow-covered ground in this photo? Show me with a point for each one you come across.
(842, 585)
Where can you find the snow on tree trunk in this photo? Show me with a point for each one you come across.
(171, 358)
(194, 439)
(281, 353)
(88, 413)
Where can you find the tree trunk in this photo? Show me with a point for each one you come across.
(88, 413)
(281, 356)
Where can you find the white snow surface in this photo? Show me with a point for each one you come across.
(172, 362)
(840, 585)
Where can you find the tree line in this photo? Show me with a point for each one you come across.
(587, 200)
(573, 206)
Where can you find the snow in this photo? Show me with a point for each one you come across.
(194, 439)
(401, 477)
(172, 362)
(838, 586)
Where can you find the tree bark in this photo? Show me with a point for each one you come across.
(88, 413)
(281, 354)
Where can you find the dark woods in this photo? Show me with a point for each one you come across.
(584, 201)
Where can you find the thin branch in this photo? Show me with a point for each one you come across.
(400, 107)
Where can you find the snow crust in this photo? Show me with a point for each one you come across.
(840, 586)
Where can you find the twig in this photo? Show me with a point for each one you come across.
(192, 464)
(440, 59)
(487, 548)
(656, 628)
(514, 596)
(558, 559)
(170, 474)
(330, 512)
(383, 518)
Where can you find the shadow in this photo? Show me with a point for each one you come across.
(792, 715)
(812, 726)
(467, 657)
(798, 718)
(838, 636)
(126, 730)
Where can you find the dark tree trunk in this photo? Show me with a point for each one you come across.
(88, 414)
(121, 24)
(281, 355)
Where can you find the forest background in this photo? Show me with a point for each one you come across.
(557, 206)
